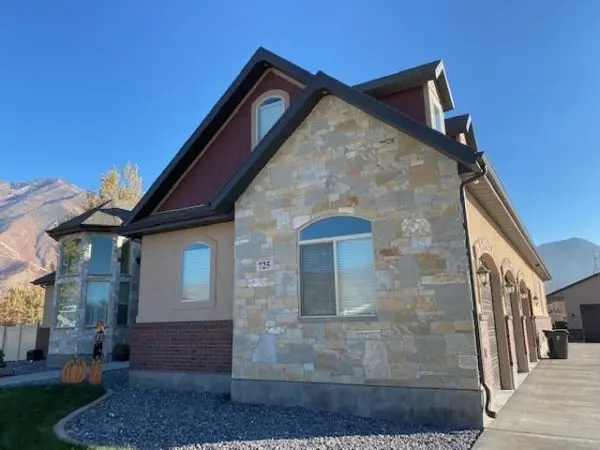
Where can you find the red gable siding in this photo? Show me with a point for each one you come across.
(225, 153)
(410, 101)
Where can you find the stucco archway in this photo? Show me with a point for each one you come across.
(515, 317)
(528, 321)
(493, 325)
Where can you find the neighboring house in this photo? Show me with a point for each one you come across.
(324, 245)
(578, 304)
(97, 279)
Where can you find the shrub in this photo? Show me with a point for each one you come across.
(120, 352)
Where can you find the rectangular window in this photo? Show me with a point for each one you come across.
(125, 257)
(123, 307)
(66, 305)
(438, 118)
(70, 254)
(101, 259)
(195, 276)
(96, 302)
(338, 277)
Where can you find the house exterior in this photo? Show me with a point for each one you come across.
(578, 304)
(96, 279)
(336, 247)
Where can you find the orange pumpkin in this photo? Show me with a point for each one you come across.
(74, 371)
(96, 372)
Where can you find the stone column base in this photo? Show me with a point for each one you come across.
(453, 407)
(216, 383)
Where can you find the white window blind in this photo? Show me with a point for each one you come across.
(196, 272)
(268, 114)
(356, 278)
(96, 302)
(317, 280)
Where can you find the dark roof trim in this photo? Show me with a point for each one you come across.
(46, 280)
(322, 85)
(573, 284)
(462, 124)
(406, 79)
(145, 227)
(196, 143)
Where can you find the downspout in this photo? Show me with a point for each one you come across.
(488, 392)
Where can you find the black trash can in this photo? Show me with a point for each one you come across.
(558, 342)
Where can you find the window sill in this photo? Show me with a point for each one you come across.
(369, 318)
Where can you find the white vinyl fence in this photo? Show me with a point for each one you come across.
(17, 341)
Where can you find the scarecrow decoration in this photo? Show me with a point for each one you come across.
(98, 350)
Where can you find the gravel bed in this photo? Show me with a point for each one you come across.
(23, 367)
(155, 419)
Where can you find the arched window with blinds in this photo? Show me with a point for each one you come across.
(337, 268)
(267, 114)
(196, 272)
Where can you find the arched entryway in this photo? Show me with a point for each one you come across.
(496, 357)
(513, 292)
(528, 321)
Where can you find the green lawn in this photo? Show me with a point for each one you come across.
(28, 413)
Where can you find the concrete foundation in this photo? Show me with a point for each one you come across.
(452, 407)
(216, 383)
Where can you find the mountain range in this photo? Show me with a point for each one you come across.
(27, 252)
(26, 211)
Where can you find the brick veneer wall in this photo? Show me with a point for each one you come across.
(182, 346)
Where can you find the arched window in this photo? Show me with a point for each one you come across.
(195, 272)
(267, 113)
(337, 268)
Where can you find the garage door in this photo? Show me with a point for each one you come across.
(590, 316)
(493, 362)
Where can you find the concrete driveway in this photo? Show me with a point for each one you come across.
(556, 407)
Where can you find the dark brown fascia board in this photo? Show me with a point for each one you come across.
(320, 86)
(462, 124)
(406, 79)
(572, 284)
(46, 280)
(499, 189)
(138, 230)
(84, 228)
(246, 79)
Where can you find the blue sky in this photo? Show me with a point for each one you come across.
(85, 85)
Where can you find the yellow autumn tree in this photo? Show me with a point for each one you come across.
(21, 305)
(123, 185)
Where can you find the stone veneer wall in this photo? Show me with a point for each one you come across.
(66, 342)
(342, 161)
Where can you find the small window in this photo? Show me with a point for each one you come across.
(438, 118)
(101, 259)
(123, 307)
(96, 302)
(195, 276)
(70, 254)
(337, 268)
(267, 114)
(66, 305)
(125, 257)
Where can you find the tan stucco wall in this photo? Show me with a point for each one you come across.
(49, 315)
(584, 293)
(484, 233)
(160, 277)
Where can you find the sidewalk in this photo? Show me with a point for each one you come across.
(557, 407)
(51, 375)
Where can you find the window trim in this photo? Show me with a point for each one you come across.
(186, 303)
(273, 93)
(334, 240)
